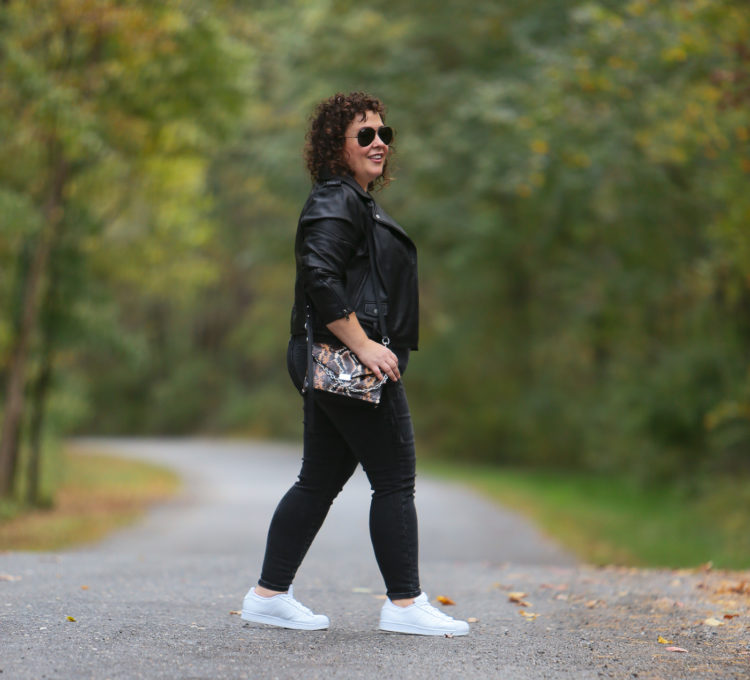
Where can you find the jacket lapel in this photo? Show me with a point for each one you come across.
(378, 214)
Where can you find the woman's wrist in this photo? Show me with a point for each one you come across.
(350, 332)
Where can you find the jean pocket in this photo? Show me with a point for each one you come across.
(405, 429)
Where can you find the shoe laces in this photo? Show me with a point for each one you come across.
(427, 607)
(298, 604)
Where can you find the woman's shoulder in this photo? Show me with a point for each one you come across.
(334, 198)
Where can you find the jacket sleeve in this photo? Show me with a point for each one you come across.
(330, 238)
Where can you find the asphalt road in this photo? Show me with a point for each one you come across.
(157, 600)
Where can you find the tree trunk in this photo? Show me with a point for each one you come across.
(40, 390)
(36, 426)
(16, 379)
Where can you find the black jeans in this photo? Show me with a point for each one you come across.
(343, 433)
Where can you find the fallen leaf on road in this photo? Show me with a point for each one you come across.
(235, 612)
(449, 635)
(84, 587)
(517, 598)
(743, 588)
(730, 616)
(529, 616)
(559, 586)
(662, 641)
(740, 588)
(70, 618)
(8, 577)
(442, 599)
(595, 603)
(472, 619)
(711, 621)
(361, 590)
(561, 596)
(676, 649)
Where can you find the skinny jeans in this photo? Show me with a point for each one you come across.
(341, 434)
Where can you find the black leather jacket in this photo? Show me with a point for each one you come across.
(333, 266)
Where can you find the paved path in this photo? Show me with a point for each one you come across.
(156, 601)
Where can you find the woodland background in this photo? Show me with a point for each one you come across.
(575, 175)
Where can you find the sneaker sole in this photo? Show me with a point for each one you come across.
(281, 623)
(418, 630)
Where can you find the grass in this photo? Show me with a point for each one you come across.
(610, 520)
(97, 494)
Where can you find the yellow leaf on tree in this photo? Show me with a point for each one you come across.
(673, 54)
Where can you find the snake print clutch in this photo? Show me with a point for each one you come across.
(336, 369)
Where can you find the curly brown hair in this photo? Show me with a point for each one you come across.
(324, 149)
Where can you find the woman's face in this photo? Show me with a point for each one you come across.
(365, 162)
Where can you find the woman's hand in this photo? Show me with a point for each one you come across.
(379, 359)
(376, 356)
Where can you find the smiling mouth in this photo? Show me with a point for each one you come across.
(376, 157)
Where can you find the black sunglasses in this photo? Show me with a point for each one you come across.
(366, 135)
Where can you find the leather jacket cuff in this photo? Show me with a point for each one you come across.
(329, 303)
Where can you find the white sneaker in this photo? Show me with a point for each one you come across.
(420, 618)
(281, 610)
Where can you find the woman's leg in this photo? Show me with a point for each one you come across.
(327, 464)
(382, 439)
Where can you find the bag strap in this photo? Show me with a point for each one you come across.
(307, 385)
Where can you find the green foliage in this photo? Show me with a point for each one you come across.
(608, 519)
(114, 109)
(574, 175)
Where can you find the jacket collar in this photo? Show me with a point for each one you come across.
(377, 212)
(350, 181)
(356, 186)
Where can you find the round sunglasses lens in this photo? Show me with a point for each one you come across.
(365, 136)
(386, 134)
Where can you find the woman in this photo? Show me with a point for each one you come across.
(347, 155)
